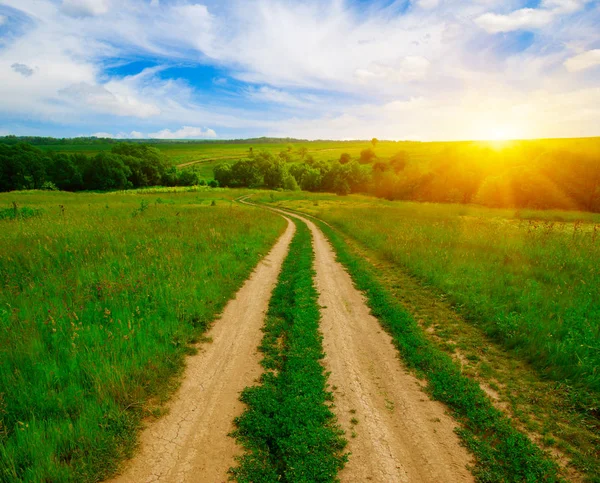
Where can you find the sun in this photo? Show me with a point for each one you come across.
(498, 133)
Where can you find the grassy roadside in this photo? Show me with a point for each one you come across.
(557, 416)
(100, 297)
(528, 282)
(502, 453)
(288, 430)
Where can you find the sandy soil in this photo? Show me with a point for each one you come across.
(190, 443)
(400, 434)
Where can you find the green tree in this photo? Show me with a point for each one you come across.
(342, 188)
(290, 183)
(367, 155)
(399, 161)
(187, 177)
(311, 180)
(106, 171)
(345, 158)
(302, 151)
(275, 175)
(222, 173)
(246, 173)
(65, 173)
(148, 165)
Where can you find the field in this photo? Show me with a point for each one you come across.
(492, 312)
(97, 313)
(207, 155)
(530, 283)
(182, 153)
(526, 280)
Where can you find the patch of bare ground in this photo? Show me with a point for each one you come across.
(539, 408)
(191, 443)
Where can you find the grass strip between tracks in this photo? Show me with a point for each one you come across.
(502, 453)
(288, 430)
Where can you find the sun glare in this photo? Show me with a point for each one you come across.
(498, 133)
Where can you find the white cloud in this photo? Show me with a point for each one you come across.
(427, 4)
(84, 8)
(564, 6)
(281, 97)
(320, 69)
(186, 132)
(583, 61)
(529, 18)
(476, 115)
(407, 69)
(101, 99)
(2, 19)
(121, 135)
(524, 18)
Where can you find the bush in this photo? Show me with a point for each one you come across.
(367, 155)
(187, 178)
(49, 186)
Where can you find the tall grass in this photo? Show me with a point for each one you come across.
(100, 296)
(533, 284)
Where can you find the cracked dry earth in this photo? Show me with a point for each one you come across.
(191, 443)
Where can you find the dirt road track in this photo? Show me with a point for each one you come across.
(190, 443)
(401, 435)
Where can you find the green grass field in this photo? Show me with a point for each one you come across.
(100, 297)
(513, 294)
(528, 279)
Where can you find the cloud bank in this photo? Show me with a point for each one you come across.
(425, 69)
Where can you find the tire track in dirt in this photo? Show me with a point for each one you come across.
(191, 442)
(401, 434)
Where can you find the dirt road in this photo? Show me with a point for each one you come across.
(400, 434)
(190, 443)
(395, 432)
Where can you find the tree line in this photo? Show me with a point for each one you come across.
(526, 174)
(266, 170)
(23, 166)
(563, 174)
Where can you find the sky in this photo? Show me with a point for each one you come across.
(315, 69)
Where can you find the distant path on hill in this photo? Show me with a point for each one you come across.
(238, 156)
(207, 160)
(401, 434)
(191, 443)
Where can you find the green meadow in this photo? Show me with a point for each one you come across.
(101, 296)
(530, 279)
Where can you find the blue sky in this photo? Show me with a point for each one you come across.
(338, 69)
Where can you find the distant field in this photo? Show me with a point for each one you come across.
(205, 156)
(190, 152)
(528, 278)
(100, 295)
(216, 153)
